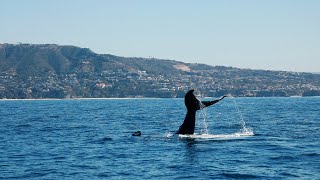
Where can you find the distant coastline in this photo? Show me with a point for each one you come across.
(75, 99)
(50, 71)
(56, 99)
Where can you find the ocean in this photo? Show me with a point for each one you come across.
(237, 138)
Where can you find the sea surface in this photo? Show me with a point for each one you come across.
(91, 139)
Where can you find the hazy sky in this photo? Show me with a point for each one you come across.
(256, 34)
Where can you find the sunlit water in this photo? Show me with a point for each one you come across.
(85, 139)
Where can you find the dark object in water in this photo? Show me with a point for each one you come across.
(137, 133)
(193, 105)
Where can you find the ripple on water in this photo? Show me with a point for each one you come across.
(92, 139)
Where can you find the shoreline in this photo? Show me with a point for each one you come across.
(134, 98)
(57, 99)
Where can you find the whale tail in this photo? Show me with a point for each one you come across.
(192, 104)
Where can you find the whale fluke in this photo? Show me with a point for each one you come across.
(193, 105)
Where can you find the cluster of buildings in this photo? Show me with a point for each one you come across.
(121, 83)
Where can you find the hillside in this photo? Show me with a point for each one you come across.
(30, 60)
(54, 71)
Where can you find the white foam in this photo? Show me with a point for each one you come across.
(218, 136)
(168, 134)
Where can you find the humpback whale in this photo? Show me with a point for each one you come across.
(193, 105)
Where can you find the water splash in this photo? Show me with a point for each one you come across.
(243, 128)
(203, 119)
(168, 134)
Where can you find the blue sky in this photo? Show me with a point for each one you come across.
(265, 34)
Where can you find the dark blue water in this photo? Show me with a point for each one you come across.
(82, 139)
